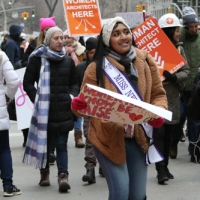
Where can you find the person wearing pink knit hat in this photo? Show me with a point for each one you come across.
(45, 24)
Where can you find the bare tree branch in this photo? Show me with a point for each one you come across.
(52, 10)
(48, 5)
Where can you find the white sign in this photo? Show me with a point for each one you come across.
(24, 106)
(14, 14)
(36, 33)
(133, 19)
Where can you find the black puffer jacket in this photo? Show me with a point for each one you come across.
(63, 82)
(193, 106)
(81, 67)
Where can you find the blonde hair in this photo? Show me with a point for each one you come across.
(31, 38)
(40, 39)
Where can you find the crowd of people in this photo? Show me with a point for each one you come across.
(59, 65)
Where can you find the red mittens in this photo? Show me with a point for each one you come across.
(78, 103)
(156, 123)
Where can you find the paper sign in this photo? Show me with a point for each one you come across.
(133, 19)
(83, 17)
(150, 37)
(111, 106)
(24, 106)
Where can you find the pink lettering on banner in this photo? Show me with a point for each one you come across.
(21, 100)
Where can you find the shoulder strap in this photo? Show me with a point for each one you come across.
(179, 49)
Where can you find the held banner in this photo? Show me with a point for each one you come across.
(83, 17)
(133, 19)
(150, 37)
(24, 106)
(111, 106)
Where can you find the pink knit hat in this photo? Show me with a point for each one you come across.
(47, 22)
(67, 34)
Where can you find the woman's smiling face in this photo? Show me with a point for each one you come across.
(121, 39)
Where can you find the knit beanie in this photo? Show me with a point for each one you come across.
(47, 22)
(108, 28)
(91, 43)
(189, 15)
(66, 33)
(49, 34)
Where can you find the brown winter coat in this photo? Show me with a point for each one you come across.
(108, 136)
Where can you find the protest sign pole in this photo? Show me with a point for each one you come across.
(144, 12)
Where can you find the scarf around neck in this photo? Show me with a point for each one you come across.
(36, 146)
(127, 61)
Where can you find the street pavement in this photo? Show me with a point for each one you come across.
(185, 186)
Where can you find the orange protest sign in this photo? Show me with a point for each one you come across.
(83, 17)
(150, 37)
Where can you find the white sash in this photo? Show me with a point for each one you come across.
(125, 87)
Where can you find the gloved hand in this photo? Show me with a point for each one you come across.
(78, 103)
(169, 77)
(156, 123)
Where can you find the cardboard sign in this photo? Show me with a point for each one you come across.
(111, 106)
(133, 19)
(150, 37)
(83, 17)
(24, 106)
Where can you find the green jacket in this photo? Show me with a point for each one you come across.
(191, 47)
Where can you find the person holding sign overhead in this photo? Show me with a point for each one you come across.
(121, 149)
(170, 24)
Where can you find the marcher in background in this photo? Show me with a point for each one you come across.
(6, 72)
(74, 49)
(122, 159)
(5, 39)
(162, 136)
(90, 158)
(193, 111)
(12, 48)
(57, 82)
(193, 106)
(191, 45)
(45, 24)
(22, 45)
(30, 48)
